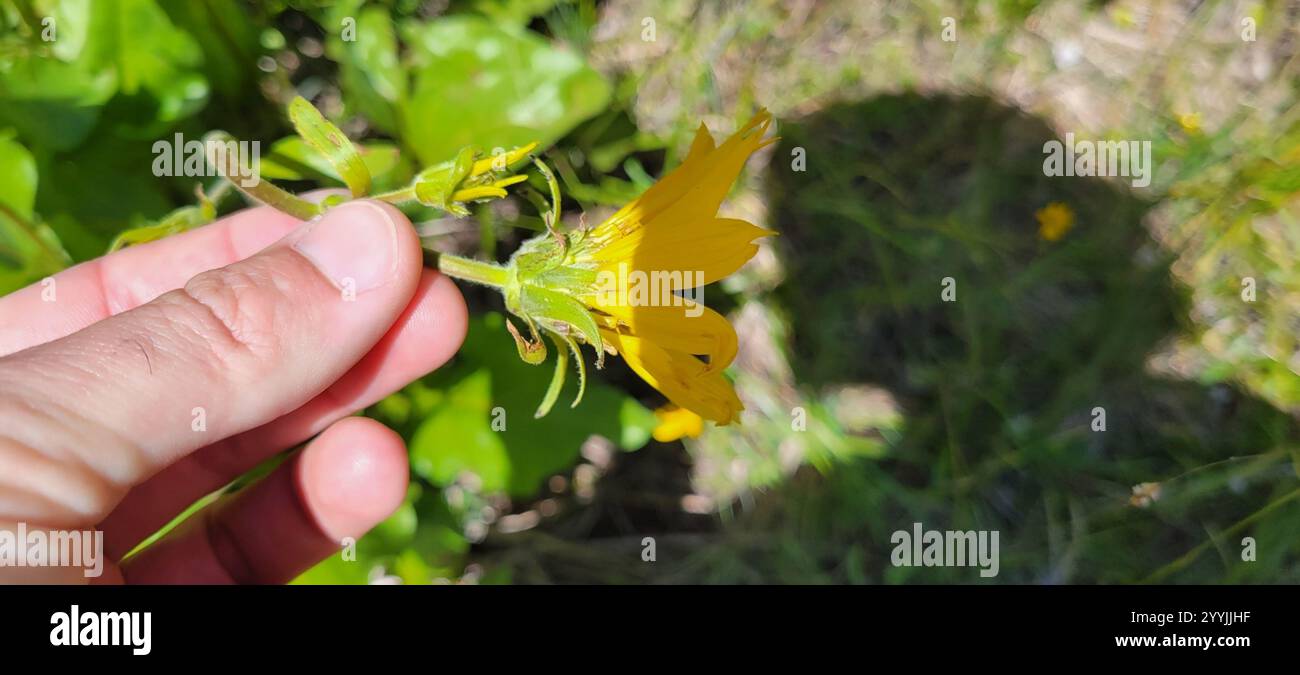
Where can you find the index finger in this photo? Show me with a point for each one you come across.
(97, 289)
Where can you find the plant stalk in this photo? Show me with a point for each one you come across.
(467, 269)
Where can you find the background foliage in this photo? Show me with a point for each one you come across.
(923, 162)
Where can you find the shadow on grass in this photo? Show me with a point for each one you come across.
(999, 387)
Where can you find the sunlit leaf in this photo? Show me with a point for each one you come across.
(291, 158)
(28, 249)
(373, 80)
(332, 143)
(485, 425)
(476, 82)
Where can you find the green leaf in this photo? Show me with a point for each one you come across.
(73, 27)
(158, 65)
(458, 437)
(637, 423)
(335, 571)
(127, 48)
(28, 250)
(518, 12)
(227, 38)
(376, 54)
(180, 220)
(290, 158)
(18, 176)
(373, 80)
(107, 188)
(477, 82)
(332, 143)
(53, 104)
(488, 385)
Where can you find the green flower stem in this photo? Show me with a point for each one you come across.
(54, 259)
(272, 195)
(262, 190)
(466, 269)
(405, 194)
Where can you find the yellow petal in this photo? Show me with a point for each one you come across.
(679, 376)
(713, 248)
(701, 145)
(470, 194)
(507, 182)
(691, 328)
(501, 160)
(692, 191)
(675, 423)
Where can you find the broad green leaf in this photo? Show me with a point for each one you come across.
(125, 47)
(458, 437)
(147, 48)
(636, 423)
(53, 104)
(376, 54)
(332, 143)
(517, 12)
(28, 250)
(72, 28)
(227, 38)
(157, 64)
(490, 384)
(17, 176)
(108, 188)
(476, 82)
(421, 541)
(371, 75)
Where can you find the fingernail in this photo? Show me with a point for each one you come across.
(353, 245)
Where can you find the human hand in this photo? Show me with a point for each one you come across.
(134, 384)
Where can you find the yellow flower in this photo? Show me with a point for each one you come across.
(1054, 220)
(675, 423)
(619, 285)
(672, 228)
(1190, 122)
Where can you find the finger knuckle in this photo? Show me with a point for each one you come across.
(233, 313)
(50, 481)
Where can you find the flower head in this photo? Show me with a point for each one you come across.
(625, 286)
(1190, 123)
(469, 177)
(1054, 221)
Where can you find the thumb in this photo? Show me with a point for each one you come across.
(104, 408)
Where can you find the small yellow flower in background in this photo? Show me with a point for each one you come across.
(1190, 122)
(1123, 17)
(675, 423)
(1054, 221)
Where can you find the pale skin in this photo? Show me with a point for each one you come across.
(277, 330)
